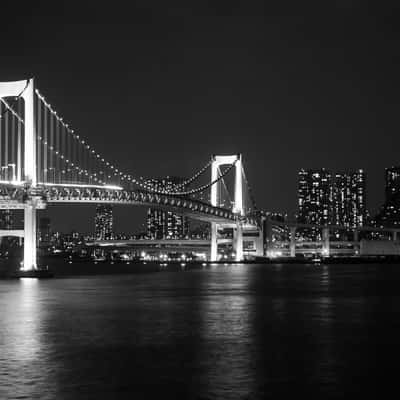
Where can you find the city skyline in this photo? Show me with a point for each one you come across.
(228, 79)
(138, 221)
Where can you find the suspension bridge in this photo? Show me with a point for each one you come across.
(43, 161)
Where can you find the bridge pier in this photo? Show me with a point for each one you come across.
(292, 241)
(260, 243)
(268, 236)
(214, 242)
(239, 242)
(325, 242)
(30, 261)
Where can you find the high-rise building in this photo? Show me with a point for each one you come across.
(327, 200)
(103, 222)
(165, 224)
(315, 197)
(392, 183)
(349, 199)
(389, 214)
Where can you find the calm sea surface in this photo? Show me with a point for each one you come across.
(224, 332)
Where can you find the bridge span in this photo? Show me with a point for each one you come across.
(47, 163)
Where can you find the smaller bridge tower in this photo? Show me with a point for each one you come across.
(217, 162)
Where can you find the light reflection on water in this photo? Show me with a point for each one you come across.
(226, 332)
(23, 362)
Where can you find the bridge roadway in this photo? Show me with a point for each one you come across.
(16, 196)
(162, 244)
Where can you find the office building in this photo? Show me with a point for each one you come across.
(315, 197)
(165, 224)
(389, 214)
(104, 222)
(349, 199)
(324, 199)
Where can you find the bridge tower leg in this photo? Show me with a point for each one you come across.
(239, 242)
(25, 89)
(214, 242)
(238, 206)
(30, 261)
(292, 244)
(217, 161)
(325, 242)
(268, 236)
(260, 242)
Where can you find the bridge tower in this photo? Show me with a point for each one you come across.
(25, 89)
(217, 162)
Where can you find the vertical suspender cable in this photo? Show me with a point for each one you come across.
(57, 150)
(6, 123)
(39, 142)
(74, 157)
(62, 153)
(67, 166)
(1, 135)
(45, 145)
(12, 158)
(19, 144)
(51, 147)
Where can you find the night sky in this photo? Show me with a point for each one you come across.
(158, 87)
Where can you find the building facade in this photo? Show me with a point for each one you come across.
(165, 224)
(349, 196)
(389, 214)
(326, 199)
(315, 197)
(103, 222)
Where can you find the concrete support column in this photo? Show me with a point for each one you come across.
(268, 235)
(239, 242)
(238, 206)
(259, 242)
(293, 241)
(30, 262)
(325, 242)
(214, 242)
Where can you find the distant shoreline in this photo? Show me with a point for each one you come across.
(62, 268)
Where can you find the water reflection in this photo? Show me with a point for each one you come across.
(226, 334)
(23, 362)
(223, 332)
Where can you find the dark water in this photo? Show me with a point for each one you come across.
(233, 332)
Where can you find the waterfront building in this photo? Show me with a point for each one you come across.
(166, 224)
(389, 213)
(349, 199)
(326, 199)
(315, 197)
(104, 222)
